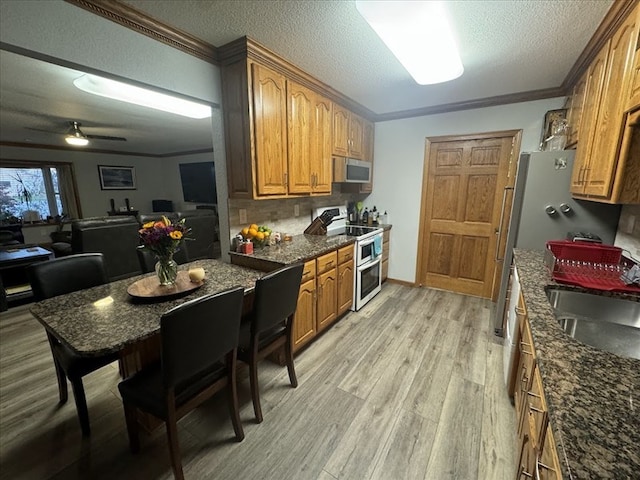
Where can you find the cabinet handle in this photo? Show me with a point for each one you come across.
(520, 311)
(530, 393)
(286, 179)
(329, 263)
(306, 273)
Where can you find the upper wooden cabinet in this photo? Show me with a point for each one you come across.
(607, 99)
(270, 130)
(348, 133)
(574, 113)
(309, 135)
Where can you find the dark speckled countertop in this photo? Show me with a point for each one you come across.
(105, 319)
(593, 396)
(300, 249)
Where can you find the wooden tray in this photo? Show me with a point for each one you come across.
(150, 287)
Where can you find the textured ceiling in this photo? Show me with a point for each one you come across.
(505, 46)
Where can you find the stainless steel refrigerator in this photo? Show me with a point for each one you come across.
(543, 210)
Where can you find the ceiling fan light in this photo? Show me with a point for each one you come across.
(76, 141)
(418, 34)
(75, 136)
(123, 92)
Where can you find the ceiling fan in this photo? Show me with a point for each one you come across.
(75, 136)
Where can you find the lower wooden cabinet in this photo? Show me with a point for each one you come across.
(327, 285)
(304, 323)
(538, 458)
(345, 279)
(385, 255)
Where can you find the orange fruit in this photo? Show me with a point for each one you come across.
(254, 227)
(244, 232)
(260, 236)
(252, 232)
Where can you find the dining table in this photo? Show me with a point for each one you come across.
(109, 318)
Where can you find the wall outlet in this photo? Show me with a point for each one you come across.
(242, 212)
(296, 210)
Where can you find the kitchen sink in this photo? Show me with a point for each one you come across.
(607, 323)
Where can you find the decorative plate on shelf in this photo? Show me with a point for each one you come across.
(150, 287)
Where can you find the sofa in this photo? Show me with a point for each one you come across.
(115, 237)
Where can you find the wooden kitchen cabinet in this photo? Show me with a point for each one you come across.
(348, 133)
(327, 293)
(309, 141)
(574, 113)
(304, 329)
(536, 447)
(633, 98)
(270, 130)
(345, 279)
(385, 254)
(607, 97)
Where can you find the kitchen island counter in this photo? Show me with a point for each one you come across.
(300, 249)
(593, 396)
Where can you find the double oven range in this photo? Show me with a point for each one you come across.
(367, 277)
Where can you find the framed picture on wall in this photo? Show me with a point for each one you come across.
(117, 178)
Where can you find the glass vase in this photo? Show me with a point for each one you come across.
(166, 270)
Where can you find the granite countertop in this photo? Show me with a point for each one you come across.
(300, 249)
(106, 318)
(593, 396)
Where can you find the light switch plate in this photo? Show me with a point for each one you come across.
(242, 213)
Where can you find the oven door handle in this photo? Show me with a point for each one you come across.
(365, 242)
(370, 264)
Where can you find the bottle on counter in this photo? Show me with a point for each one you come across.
(374, 215)
(385, 218)
(365, 216)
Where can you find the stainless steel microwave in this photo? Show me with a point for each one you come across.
(350, 170)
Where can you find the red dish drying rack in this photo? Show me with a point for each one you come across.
(588, 265)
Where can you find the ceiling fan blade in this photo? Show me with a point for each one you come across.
(106, 137)
(42, 130)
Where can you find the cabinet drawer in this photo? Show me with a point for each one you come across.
(345, 254)
(327, 262)
(309, 271)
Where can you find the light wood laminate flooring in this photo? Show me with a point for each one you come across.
(410, 387)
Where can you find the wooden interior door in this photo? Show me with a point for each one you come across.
(465, 201)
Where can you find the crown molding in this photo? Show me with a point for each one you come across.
(142, 23)
(472, 104)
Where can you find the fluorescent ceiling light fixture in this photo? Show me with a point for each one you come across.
(123, 92)
(418, 34)
(75, 136)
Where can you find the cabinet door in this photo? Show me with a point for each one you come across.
(603, 154)
(269, 130)
(368, 133)
(304, 326)
(575, 110)
(327, 298)
(633, 100)
(549, 465)
(595, 81)
(340, 131)
(322, 146)
(300, 114)
(356, 136)
(345, 287)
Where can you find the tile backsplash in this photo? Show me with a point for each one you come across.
(628, 234)
(279, 215)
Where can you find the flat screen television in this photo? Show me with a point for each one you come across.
(198, 182)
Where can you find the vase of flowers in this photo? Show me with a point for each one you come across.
(162, 238)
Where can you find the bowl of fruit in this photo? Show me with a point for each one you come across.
(258, 234)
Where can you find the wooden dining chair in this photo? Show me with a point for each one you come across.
(58, 277)
(199, 346)
(269, 326)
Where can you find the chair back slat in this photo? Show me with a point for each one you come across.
(276, 297)
(197, 334)
(67, 274)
